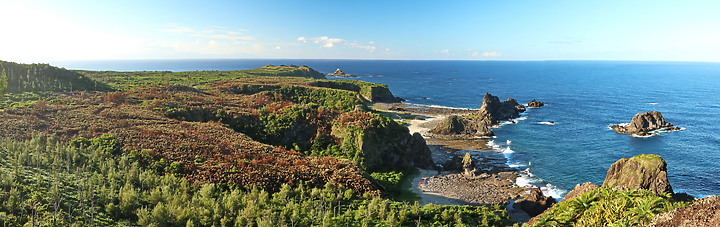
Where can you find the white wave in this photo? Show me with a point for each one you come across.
(546, 123)
(528, 180)
(507, 150)
(639, 136)
(653, 103)
(508, 142)
(623, 124)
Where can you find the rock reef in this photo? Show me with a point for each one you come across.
(535, 104)
(645, 124)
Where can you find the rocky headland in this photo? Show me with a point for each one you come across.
(645, 124)
(478, 124)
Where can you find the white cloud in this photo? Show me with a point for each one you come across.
(325, 41)
(356, 44)
(475, 54)
(491, 54)
(215, 33)
(445, 51)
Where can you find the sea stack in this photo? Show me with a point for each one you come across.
(491, 113)
(645, 124)
(339, 73)
(644, 171)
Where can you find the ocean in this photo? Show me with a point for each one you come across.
(582, 97)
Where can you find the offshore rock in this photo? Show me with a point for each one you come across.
(534, 203)
(644, 171)
(535, 104)
(703, 212)
(643, 124)
(340, 73)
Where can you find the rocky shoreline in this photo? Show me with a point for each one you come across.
(493, 181)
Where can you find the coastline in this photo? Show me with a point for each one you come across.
(495, 181)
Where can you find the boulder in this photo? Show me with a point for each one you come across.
(644, 171)
(534, 203)
(580, 189)
(703, 212)
(468, 165)
(340, 73)
(535, 104)
(643, 124)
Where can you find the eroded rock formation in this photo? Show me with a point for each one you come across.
(491, 113)
(644, 124)
(535, 104)
(644, 171)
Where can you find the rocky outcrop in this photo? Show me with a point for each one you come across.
(534, 203)
(644, 124)
(460, 126)
(491, 113)
(535, 104)
(468, 165)
(495, 111)
(580, 189)
(704, 212)
(340, 73)
(645, 171)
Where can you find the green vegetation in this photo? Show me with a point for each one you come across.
(24, 99)
(93, 182)
(129, 80)
(18, 78)
(608, 207)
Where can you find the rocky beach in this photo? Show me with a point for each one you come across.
(486, 180)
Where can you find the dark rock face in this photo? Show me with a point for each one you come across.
(535, 104)
(645, 171)
(704, 212)
(534, 203)
(580, 189)
(496, 111)
(643, 124)
(406, 151)
(340, 73)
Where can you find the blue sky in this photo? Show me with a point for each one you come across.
(44, 30)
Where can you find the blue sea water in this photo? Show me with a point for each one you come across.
(582, 97)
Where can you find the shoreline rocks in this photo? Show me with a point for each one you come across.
(645, 124)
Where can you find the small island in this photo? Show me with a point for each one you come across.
(645, 124)
(339, 73)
